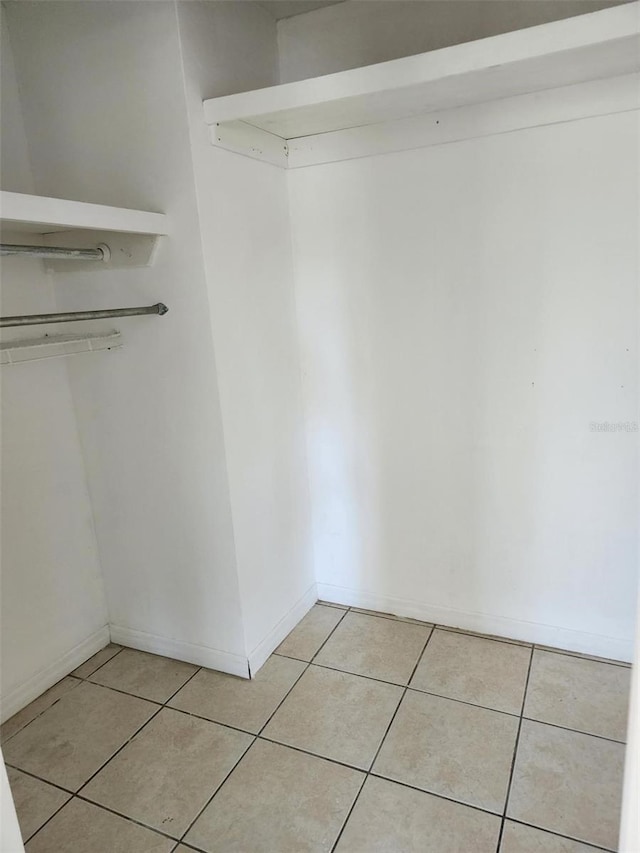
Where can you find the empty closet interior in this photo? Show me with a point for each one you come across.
(399, 369)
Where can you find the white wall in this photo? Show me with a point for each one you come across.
(53, 606)
(466, 311)
(103, 100)
(244, 221)
(356, 33)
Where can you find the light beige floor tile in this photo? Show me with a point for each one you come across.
(311, 632)
(148, 676)
(82, 828)
(374, 646)
(278, 799)
(569, 783)
(457, 750)
(35, 708)
(73, 738)
(475, 670)
(90, 666)
(517, 838)
(389, 818)
(336, 715)
(166, 774)
(35, 801)
(243, 703)
(579, 694)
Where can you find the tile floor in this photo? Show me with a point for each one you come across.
(362, 732)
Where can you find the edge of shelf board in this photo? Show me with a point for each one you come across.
(46, 214)
(52, 346)
(593, 30)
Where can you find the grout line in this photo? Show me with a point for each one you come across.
(125, 817)
(244, 752)
(477, 636)
(44, 710)
(576, 731)
(619, 663)
(557, 835)
(312, 754)
(39, 778)
(515, 753)
(349, 813)
(124, 692)
(434, 794)
(382, 740)
(66, 802)
(93, 672)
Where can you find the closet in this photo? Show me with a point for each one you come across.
(399, 366)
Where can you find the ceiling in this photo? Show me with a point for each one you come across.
(287, 8)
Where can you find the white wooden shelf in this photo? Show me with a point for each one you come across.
(54, 346)
(43, 215)
(131, 235)
(272, 124)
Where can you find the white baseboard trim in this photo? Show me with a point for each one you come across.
(566, 639)
(180, 650)
(288, 622)
(35, 686)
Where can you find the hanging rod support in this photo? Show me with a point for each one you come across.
(100, 253)
(71, 316)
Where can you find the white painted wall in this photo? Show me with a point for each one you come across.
(53, 610)
(357, 33)
(466, 311)
(10, 837)
(103, 100)
(244, 221)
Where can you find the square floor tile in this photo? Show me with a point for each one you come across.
(376, 647)
(449, 748)
(166, 774)
(35, 708)
(483, 672)
(336, 715)
(35, 801)
(517, 838)
(579, 694)
(74, 737)
(148, 676)
(569, 783)
(240, 702)
(82, 828)
(390, 818)
(277, 799)
(311, 632)
(96, 661)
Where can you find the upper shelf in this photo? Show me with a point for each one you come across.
(575, 50)
(43, 215)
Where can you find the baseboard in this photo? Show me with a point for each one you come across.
(20, 696)
(273, 639)
(567, 639)
(178, 649)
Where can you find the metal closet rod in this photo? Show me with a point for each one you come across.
(100, 253)
(36, 319)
